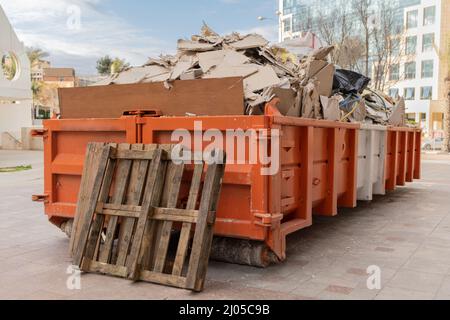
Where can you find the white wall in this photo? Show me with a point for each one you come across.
(14, 116)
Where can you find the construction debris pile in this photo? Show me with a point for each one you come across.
(308, 87)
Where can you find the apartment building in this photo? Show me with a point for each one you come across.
(419, 76)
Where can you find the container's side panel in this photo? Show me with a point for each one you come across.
(243, 209)
(65, 147)
(324, 179)
(410, 156)
(347, 141)
(391, 160)
(379, 186)
(418, 155)
(401, 157)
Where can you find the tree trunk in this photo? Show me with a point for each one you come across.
(446, 144)
(367, 49)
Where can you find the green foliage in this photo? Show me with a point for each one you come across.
(107, 65)
(104, 65)
(36, 55)
(15, 169)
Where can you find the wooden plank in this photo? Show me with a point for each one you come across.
(213, 97)
(161, 278)
(120, 187)
(166, 229)
(88, 213)
(94, 238)
(152, 197)
(135, 154)
(91, 162)
(184, 216)
(186, 228)
(121, 213)
(160, 214)
(201, 246)
(113, 270)
(120, 207)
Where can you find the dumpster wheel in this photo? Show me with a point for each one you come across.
(244, 252)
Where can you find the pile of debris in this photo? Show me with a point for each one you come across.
(358, 103)
(308, 87)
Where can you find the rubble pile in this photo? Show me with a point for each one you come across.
(308, 88)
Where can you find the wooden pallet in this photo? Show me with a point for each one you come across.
(137, 197)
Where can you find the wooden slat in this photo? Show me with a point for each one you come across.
(113, 270)
(183, 243)
(166, 230)
(152, 197)
(89, 212)
(135, 155)
(162, 278)
(160, 214)
(93, 243)
(91, 161)
(121, 213)
(118, 197)
(120, 207)
(201, 246)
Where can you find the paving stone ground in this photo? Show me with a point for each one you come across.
(406, 234)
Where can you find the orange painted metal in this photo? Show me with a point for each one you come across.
(318, 168)
(65, 143)
(403, 156)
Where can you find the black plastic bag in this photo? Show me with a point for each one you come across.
(346, 82)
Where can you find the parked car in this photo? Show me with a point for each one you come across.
(433, 144)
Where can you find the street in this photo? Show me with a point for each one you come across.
(406, 234)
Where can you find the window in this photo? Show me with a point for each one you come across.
(394, 72)
(394, 93)
(426, 93)
(410, 70)
(411, 45)
(411, 117)
(411, 19)
(428, 42)
(427, 68)
(410, 93)
(429, 15)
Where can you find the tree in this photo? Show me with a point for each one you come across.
(104, 65)
(118, 65)
(337, 29)
(363, 12)
(387, 42)
(36, 87)
(107, 65)
(36, 55)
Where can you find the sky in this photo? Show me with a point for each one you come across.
(77, 32)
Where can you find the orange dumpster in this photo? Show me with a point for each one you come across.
(317, 170)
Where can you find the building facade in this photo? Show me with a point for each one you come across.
(422, 67)
(423, 70)
(15, 83)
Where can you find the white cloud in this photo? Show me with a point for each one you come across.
(270, 32)
(49, 24)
